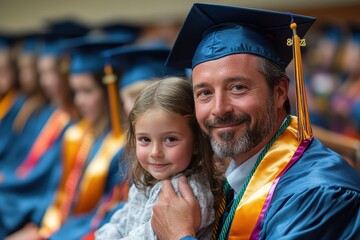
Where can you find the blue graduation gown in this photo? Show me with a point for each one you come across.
(78, 226)
(6, 132)
(23, 140)
(317, 198)
(19, 198)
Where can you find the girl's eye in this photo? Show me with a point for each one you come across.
(170, 139)
(144, 139)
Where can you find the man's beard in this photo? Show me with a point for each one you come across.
(230, 147)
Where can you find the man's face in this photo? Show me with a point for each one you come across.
(234, 105)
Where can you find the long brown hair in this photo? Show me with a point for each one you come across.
(173, 95)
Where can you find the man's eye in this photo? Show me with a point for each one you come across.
(238, 87)
(203, 93)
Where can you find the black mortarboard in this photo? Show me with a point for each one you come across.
(214, 31)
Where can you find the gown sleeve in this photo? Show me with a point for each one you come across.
(305, 215)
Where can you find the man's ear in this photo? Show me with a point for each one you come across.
(281, 92)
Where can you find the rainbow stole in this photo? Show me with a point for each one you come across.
(93, 180)
(284, 152)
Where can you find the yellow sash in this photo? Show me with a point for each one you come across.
(6, 103)
(93, 181)
(271, 167)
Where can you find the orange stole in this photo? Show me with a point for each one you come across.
(50, 132)
(6, 103)
(29, 106)
(253, 200)
(93, 181)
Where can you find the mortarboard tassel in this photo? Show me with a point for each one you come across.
(110, 80)
(304, 126)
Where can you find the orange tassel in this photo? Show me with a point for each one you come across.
(110, 80)
(304, 125)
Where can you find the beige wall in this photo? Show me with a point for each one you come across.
(19, 15)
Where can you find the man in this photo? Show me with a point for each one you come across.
(284, 188)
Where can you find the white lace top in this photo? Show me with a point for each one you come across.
(133, 220)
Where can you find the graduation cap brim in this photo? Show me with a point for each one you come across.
(85, 52)
(141, 63)
(7, 40)
(129, 54)
(97, 43)
(120, 27)
(203, 16)
(66, 28)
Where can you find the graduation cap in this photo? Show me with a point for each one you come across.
(6, 41)
(213, 31)
(115, 28)
(86, 57)
(85, 52)
(354, 29)
(31, 42)
(66, 28)
(57, 31)
(142, 63)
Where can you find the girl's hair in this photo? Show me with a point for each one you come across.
(173, 95)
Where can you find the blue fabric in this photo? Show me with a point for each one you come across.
(6, 132)
(317, 198)
(188, 238)
(141, 63)
(24, 139)
(213, 31)
(78, 226)
(22, 199)
(85, 51)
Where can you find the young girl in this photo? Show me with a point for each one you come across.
(164, 142)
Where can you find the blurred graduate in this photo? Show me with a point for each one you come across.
(32, 169)
(91, 148)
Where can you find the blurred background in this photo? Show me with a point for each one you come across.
(331, 57)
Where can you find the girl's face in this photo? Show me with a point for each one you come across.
(164, 143)
(89, 97)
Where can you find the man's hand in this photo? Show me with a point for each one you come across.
(176, 216)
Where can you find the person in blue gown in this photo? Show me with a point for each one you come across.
(11, 99)
(90, 152)
(33, 171)
(282, 182)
